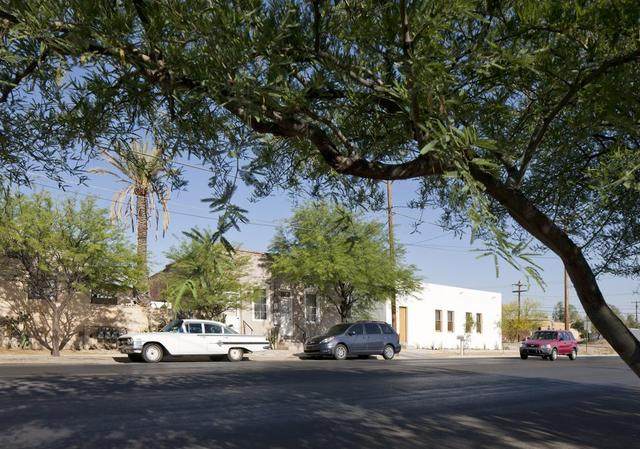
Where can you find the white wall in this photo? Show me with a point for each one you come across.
(421, 307)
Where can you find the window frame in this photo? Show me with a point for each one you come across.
(438, 320)
(451, 323)
(265, 298)
(316, 315)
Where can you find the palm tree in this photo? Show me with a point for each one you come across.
(147, 173)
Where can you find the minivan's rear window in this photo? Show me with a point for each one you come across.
(387, 329)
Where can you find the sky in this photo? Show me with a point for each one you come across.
(440, 257)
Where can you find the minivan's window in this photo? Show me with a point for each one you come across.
(387, 329)
(194, 328)
(544, 335)
(357, 329)
(210, 328)
(372, 328)
(338, 329)
(174, 326)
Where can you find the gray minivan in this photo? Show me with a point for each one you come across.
(362, 338)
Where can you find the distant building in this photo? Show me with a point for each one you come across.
(436, 317)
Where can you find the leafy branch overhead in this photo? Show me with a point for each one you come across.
(516, 119)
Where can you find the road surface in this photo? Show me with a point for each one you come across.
(502, 402)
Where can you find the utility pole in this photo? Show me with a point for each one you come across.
(519, 290)
(392, 252)
(566, 300)
(636, 302)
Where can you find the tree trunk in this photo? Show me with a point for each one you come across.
(143, 224)
(553, 237)
(55, 332)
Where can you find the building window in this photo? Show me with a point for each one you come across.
(260, 307)
(479, 323)
(468, 323)
(311, 307)
(450, 320)
(438, 320)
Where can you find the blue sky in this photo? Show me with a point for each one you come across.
(440, 257)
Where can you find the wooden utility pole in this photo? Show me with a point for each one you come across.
(519, 290)
(636, 302)
(566, 301)
(392, 252)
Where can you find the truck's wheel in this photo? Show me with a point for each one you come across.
(340, 352)
(573, 355)
(235, 354)
(152, 353)
(554, 354)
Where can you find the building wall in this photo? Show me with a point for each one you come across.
(421, 307)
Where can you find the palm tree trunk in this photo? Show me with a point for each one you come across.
(143, 224)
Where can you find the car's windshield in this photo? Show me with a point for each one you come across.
(174, 326)
(544, 335)
(337, 329)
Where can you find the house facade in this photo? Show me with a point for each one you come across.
(443, 316)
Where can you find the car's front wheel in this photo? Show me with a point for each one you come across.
(524, 356)
(235, 354)
(388, 352)
(340, 352)
(152, 353)
(554, 354)
(573, 354)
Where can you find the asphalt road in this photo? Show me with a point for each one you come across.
(588, 403)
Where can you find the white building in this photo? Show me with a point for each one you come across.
(436, 317)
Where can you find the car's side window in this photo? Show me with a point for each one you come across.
(372, 328)
(210, 328)
(386, 329)
(356, 329)
(228, 330)
(194, 328)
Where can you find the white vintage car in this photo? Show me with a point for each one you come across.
(190, 337)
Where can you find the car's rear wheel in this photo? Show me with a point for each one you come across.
(340, 352)
(235, 354)
(388, 352)
(152, 353)
(573, 354)
(524, 356)
(554, 354)
(135, 357)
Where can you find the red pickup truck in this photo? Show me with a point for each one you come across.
(549, 345)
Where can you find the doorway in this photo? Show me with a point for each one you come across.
(402, 324)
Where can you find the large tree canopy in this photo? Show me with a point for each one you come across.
(512, 116)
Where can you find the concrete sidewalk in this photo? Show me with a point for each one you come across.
(108, 357)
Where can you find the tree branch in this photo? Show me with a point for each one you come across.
(575, 87)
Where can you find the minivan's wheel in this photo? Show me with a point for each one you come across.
(524, 356)
(554, 354)
(235, 354)
(340, 352)
(388, 352)
(573, 355)
(135, 357)
(152, 353)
